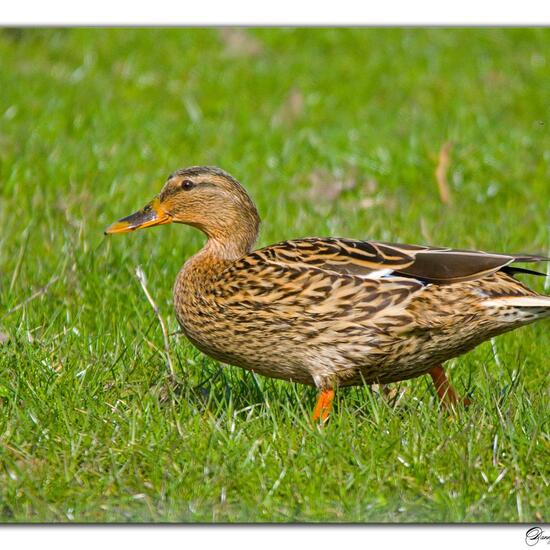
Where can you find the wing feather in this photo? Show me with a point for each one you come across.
(371, 259)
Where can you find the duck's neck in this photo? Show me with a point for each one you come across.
(214, 257)
(227, 250)
(232, 235)
(229, 238)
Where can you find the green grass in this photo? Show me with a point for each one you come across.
(92, 121)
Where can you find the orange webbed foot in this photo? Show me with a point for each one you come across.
(323, 406)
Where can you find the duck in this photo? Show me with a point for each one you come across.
(330, 312)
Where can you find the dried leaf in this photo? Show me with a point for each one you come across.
(291, 109)
(391, 394)
(238, 43)
(441, 172)
(4, 338)
(369, 202)
(327, 186)
(370, 187)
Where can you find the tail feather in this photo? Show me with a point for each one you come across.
(518, 301)
(515, 270)
(519, 309)
(530, 258)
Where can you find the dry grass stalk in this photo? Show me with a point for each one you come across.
(444, 159)
(143, 282)
(547, 280)
(34, 295)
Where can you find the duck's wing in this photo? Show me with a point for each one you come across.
(374, 260)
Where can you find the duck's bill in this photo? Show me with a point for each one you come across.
(151, 215)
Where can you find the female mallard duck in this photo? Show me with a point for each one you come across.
(329, 312)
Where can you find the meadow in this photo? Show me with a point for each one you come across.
(429, 136)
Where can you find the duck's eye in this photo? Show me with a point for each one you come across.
(187, 184)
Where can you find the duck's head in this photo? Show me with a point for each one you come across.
(204, 197)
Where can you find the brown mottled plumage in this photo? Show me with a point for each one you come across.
(329, 311)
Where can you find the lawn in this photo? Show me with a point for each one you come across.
(333, 132)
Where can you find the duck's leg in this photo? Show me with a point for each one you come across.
(447, 394)
(324, 405)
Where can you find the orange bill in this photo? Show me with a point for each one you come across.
(150, 215)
